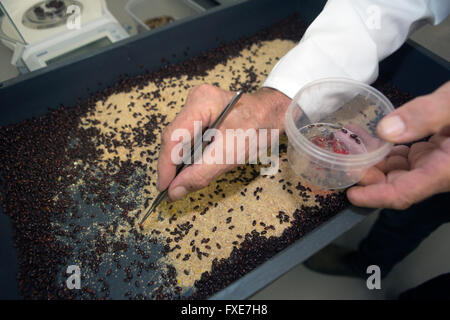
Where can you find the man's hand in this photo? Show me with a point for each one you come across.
(410, 175)
(263, 109)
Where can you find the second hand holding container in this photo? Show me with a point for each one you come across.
(331, 127)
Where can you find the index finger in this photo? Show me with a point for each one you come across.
(184, 120)
(203, 104)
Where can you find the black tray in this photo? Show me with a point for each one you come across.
(412, 69)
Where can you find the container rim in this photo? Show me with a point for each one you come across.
(335, 159)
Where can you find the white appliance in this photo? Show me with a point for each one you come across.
(43, 32)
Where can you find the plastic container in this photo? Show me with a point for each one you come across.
(143, 10)
(331, 127)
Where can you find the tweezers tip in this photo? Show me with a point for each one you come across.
(150, 210)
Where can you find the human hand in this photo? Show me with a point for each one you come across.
(410, 175)
(263, 109)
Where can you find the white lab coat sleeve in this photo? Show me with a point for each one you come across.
(350, 37)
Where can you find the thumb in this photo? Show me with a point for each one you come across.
(417, 118)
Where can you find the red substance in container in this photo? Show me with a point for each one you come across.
(330, 142)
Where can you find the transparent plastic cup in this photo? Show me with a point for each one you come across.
(331, 127)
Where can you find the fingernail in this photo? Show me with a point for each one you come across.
(391, 127)
(178, 193)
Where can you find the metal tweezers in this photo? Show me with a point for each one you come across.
(163, 194)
